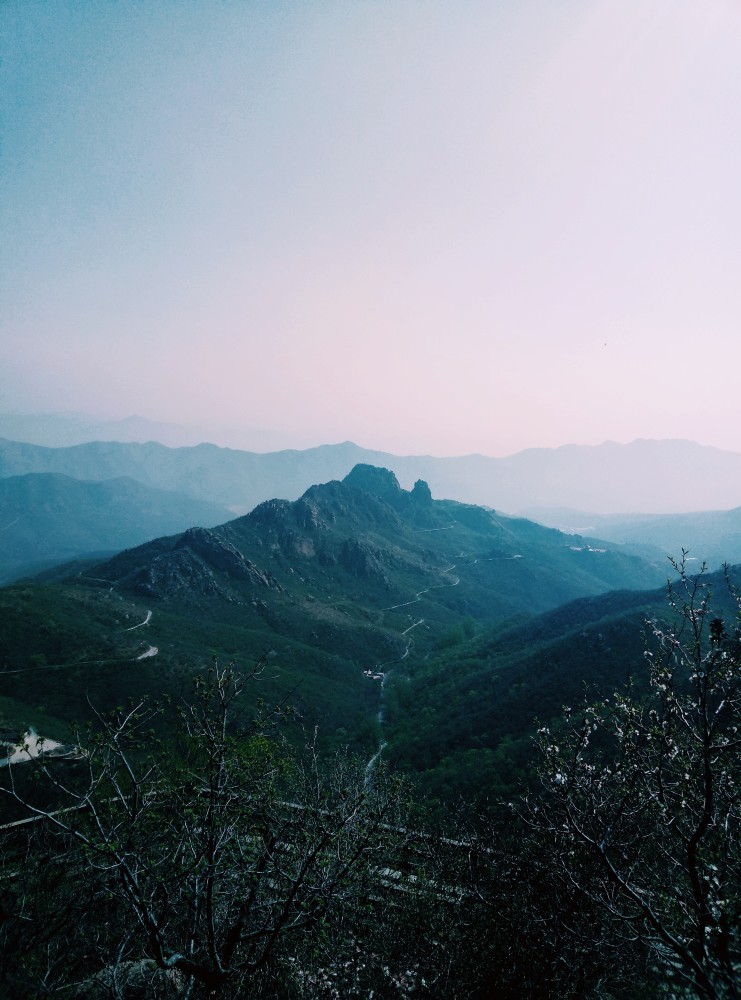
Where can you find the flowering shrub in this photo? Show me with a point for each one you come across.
(644, 796)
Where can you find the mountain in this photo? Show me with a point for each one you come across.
(355, 576)
(650, 476)
(713, 537)
(374, 539)
(239, 480)
(48, 518)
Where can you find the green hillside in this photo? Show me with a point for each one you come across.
(463, 720)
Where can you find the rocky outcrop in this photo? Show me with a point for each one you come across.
(200, 564)
(361, 559)
(223, 556)
(177, 574)
(421, 493)
(381, 482)
(306, 513)
(270, 513)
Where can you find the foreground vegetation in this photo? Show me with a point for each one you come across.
(222, 861)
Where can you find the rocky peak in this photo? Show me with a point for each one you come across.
(372, 479)
(270, 512)
(422, 492)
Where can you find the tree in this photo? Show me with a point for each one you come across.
(643, 797)
(201, 867)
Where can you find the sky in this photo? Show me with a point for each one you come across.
(427, 226)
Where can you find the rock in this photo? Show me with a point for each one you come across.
(381, 482)
(361, 559)
(270, 512)
(422, 493)
(222, 556)
(179, 573)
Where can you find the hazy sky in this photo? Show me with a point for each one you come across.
(437, 226)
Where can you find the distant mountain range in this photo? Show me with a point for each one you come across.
(59, 430)
(52, 519)
(645, 476)
(47, 518)
(712, 536)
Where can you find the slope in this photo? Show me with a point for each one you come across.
(712, 536)
(464, 719)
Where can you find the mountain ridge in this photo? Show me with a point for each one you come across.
(650, 476)
(368, 512)
(712, 536)
(48, 518)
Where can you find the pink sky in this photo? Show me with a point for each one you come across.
(438, 227)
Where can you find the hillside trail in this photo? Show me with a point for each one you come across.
(381, 669)
(150, 651)
(141, 624)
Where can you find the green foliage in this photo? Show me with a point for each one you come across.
(464, 719)
(346, 579)
(225, 794)
(49, 518)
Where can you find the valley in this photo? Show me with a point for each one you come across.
(355, 576)
(431, 642)
(441, 601)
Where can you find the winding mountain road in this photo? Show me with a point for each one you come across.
(141, 624)
(380, 668)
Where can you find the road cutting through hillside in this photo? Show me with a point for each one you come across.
(435, 586)
(141, 624)
(150, 650)
(383, 674)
